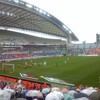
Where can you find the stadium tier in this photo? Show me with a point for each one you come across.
(87, 49)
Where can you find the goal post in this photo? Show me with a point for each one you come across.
(8, 67)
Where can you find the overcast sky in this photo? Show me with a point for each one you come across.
(81, 16)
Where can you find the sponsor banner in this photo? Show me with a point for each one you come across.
(56, 80)
(24, 75)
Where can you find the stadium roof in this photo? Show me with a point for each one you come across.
(21, 15)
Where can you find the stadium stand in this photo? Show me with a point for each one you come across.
(22, 18)
(87, 49)
(21, 89)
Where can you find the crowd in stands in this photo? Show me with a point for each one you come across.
(33, 51)
(94, 51)
(84, 49)
(11, 53)
(28, 51)
(20, 91)
(36, 51)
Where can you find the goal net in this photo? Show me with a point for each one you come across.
(8, 67)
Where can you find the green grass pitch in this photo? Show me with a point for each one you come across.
(76, 70)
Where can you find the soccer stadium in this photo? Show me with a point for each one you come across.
(39, 60)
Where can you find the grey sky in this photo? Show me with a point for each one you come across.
(81, 16)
